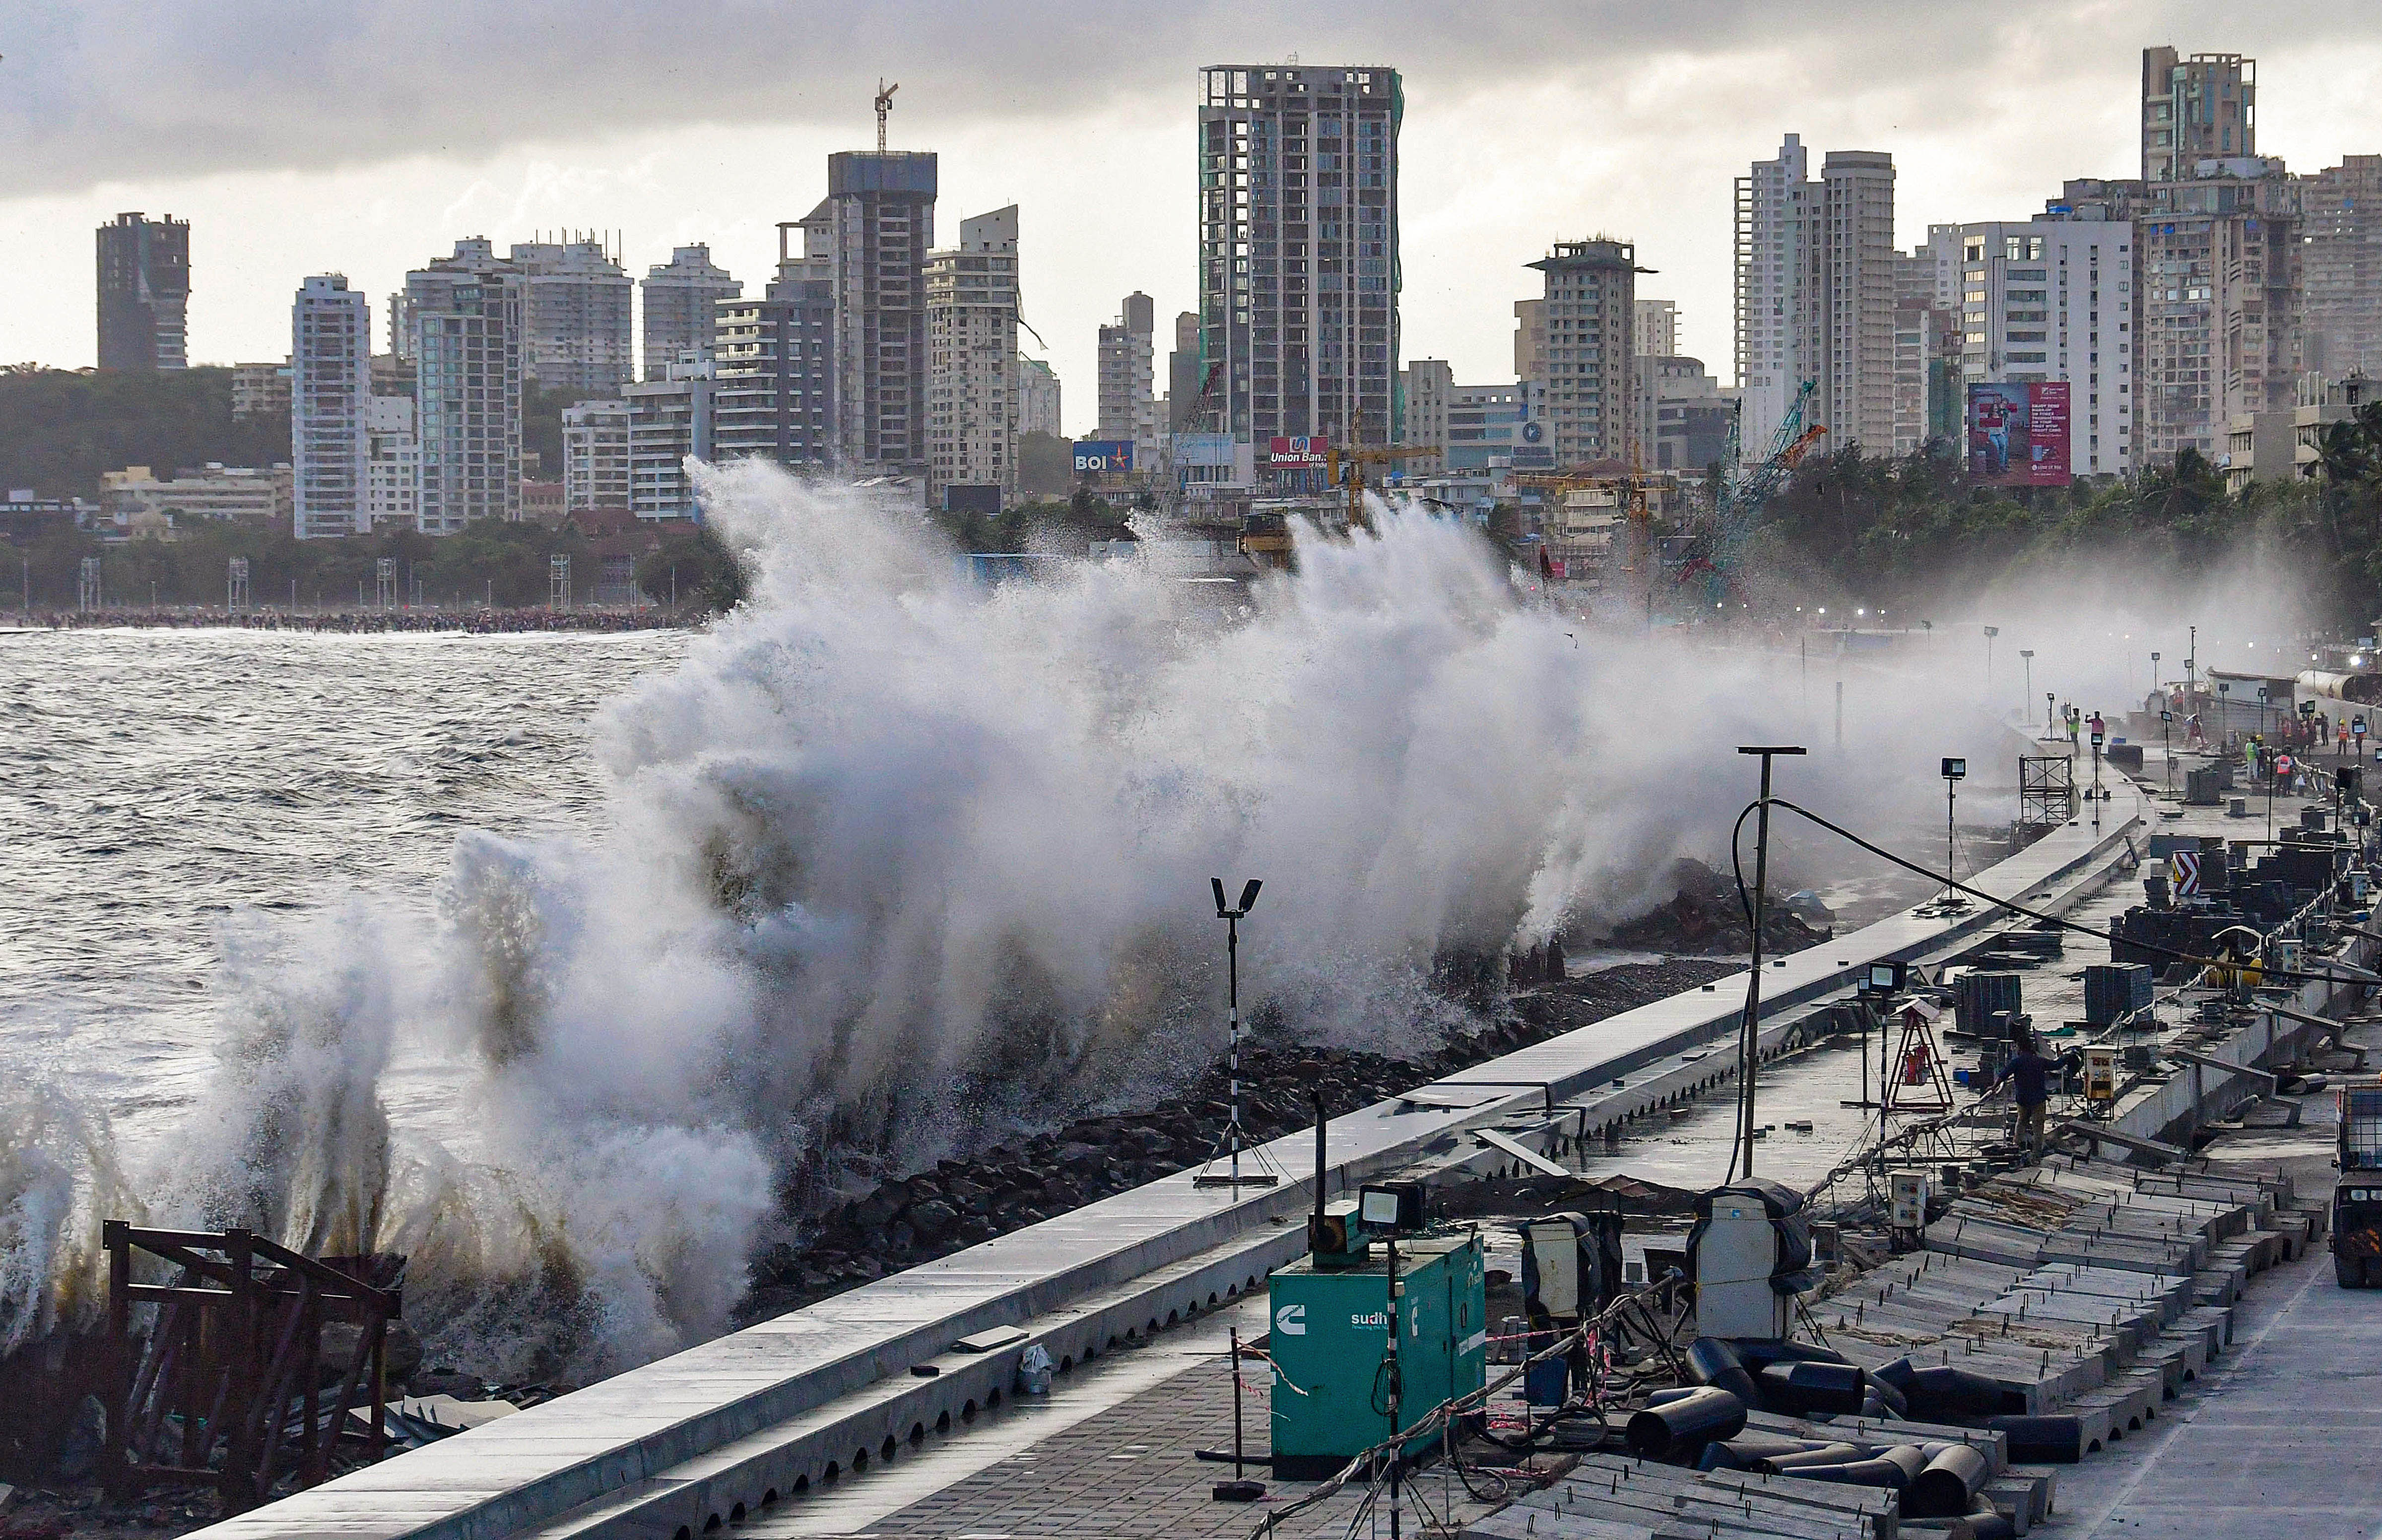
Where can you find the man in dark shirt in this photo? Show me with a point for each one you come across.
(2029, 1074)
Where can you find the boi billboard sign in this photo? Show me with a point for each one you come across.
(1103, 457)
(2017, 434)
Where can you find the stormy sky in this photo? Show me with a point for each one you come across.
(363, 137)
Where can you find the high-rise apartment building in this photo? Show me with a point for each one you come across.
(2341, 211)
(774, 369)
(330, 363)
(2196, 109)
(1658, 328)
(1127, 371)
(1038, 397)
(682, 306)
(1815, 295)
(144, 293)
(880, 221)
(2218, 266)
(393, 463)
(971, 359)
(1127, 366)
(1298, 250)
(1183, 375)
(596, 454)
(1590, 384)
(464, 318)
(1429, 388)
(577, 300)
(2218, 302)
(2050, 298)
(670, 421)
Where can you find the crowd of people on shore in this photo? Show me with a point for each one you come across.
(477, 622)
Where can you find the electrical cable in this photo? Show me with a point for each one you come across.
(1736, 862)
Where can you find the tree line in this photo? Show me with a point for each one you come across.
(1909, 532)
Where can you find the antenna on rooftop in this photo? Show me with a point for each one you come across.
(884, 106)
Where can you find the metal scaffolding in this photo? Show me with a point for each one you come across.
(87, 586)
(384, 577)
(558, 582)
(2046, 795)
(236, 585)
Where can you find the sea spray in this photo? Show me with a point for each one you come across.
(897, 862)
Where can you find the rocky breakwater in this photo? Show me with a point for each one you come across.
(909, 1220)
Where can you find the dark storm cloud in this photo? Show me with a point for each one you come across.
(112, 88)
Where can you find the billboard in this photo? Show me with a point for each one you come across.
(1299, 451)
(2017, 434)
(1103, 457)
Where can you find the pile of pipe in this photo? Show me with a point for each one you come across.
(1796, 1379)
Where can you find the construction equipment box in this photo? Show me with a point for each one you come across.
(1328, 1343)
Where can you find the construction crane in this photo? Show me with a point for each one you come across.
(1737, 501)
(884, 108)
(1351, 463)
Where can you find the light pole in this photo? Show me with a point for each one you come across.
(2028, 654)
(1234, 1139)
(1954, 771)
(1749, 1051)
(2167, 720)
(1991, 632)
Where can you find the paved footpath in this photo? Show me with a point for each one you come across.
(2282, 1437)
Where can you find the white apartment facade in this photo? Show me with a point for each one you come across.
(2051, 298)
(576, 305)
(972, 407)
(331, 354)
(393, 465)
(596, 454)
(1815, 295)
(670, 423)
(681, 299)
(1590, 382)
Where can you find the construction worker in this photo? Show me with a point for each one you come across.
(2029, 1074)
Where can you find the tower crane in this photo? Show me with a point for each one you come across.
(1737, 501)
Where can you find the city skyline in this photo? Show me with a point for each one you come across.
(1491, 174)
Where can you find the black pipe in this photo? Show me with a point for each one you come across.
(1801, 1389)
(1947, 1487)
(1715, 1362)
(1677, 1431)
(1893, 1468)
(1826, 1454)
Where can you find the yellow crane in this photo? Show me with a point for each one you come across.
(1351, 463)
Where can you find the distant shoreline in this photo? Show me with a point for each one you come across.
(478, 622)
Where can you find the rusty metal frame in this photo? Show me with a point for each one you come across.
(235, 1340)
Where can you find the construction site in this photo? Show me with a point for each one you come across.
(1786, 1252)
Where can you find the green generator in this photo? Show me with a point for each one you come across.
(1329, 1338)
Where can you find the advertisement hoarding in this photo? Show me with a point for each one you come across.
(2017, 434)
(1103, 457)
(1299, 451)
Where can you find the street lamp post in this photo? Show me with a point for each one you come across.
(2028, 654)
(1235, 1140)
(1991, 632)
(1749, 1051)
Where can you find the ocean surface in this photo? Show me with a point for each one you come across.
(168, 795)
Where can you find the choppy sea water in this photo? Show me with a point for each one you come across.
(163, 794)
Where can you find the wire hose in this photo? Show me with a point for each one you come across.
(1736, 862)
